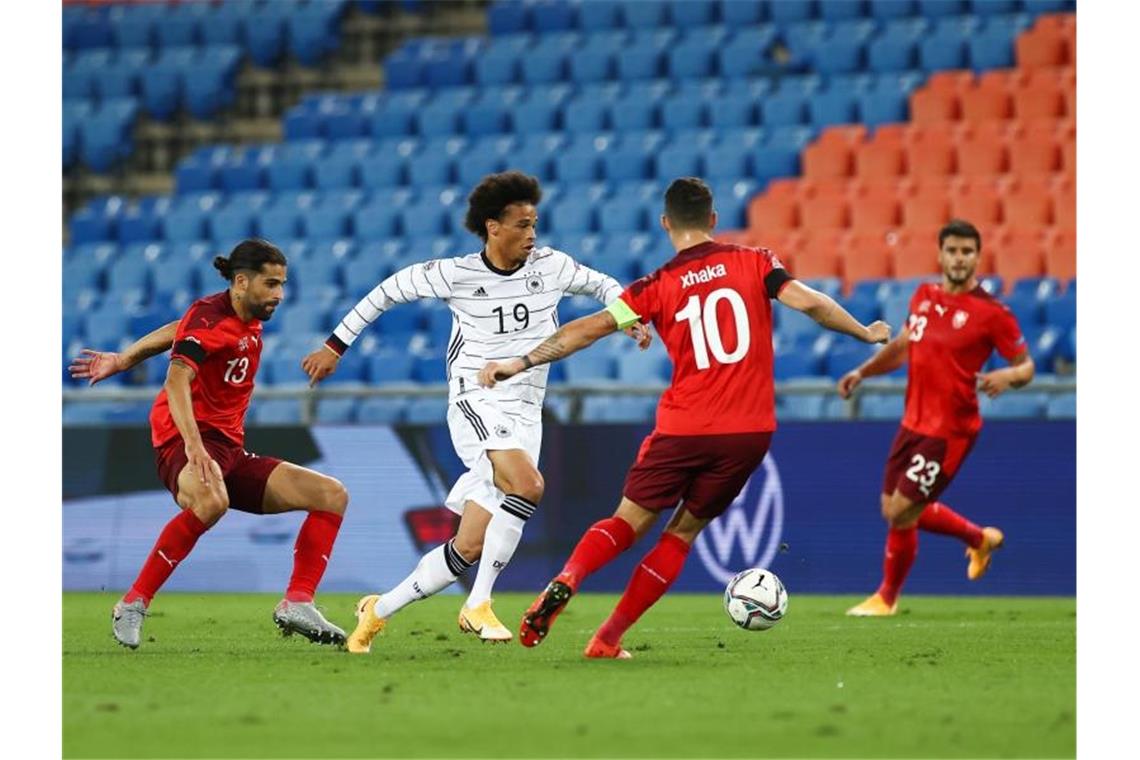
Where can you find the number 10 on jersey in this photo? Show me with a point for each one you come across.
(705, 330)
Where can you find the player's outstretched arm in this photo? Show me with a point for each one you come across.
(94, 366)
(824, 310)
(1019, 374)
(891, 357)
(570, 338)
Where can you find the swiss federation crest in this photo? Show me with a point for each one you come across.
(243, 344)
(924, 307)
(534, 283)
(959, 320)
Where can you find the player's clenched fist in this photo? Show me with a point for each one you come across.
(319, 365)
(849, 382)
(878, 332)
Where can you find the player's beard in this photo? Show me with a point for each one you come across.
(264, 311)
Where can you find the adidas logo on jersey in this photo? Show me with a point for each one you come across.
(479, 291)
(703, 275)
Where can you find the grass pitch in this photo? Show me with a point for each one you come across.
(947, 677)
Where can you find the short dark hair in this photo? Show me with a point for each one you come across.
(688, 203)
(250, 255)
(494, 193)
(960, 228)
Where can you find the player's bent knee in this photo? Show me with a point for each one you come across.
(208, 506)
(471, 549)
(334, 496)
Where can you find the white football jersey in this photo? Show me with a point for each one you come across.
(495, 315)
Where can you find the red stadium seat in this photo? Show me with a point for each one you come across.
(930, 158)
(823, 213)
(818, 256)
(878, 160)
(1065, 209)
(846, 134)
(1041, 48)
(1017, 259)
(828, 187)
(914, 260)
(864, 263)
(981, 208)
(926, 210)
(941, 131)
(1034, 157)
(787, 187)
(769, 213)
(822, 160)
(1027, 209)
(982, 104)
(1061, 254)
(876, 212)
(1039, 103)
(929, 105)
(890, 134)
(1000, 80)
(981, 156)
(950, 81)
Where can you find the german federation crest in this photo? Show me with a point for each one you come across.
(534, 283)
(748, 533)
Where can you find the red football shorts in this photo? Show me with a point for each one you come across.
(921, 467)
(245, 475)
(706, 471)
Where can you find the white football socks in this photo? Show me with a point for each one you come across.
(435, 571)
(499, 544)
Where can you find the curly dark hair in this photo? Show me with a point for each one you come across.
(494, 193)
(250, 255)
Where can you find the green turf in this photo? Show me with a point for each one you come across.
(948, 677)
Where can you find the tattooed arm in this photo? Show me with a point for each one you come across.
(570, 338)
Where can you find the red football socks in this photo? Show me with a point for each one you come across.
(173, 546)
(604, 540)
(939, 518)
(649, 582)
(902, 547)
(311, 554)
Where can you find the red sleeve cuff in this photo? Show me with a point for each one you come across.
(336, 345)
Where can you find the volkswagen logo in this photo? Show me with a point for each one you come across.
(748, 533)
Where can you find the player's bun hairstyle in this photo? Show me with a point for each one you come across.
(689, 203)
(249, 255)
(494, 193)
(960, 228)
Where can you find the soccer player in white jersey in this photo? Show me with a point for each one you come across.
(504, 302)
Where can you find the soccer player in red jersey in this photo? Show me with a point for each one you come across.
(711, 307)
(198, 431)
(951, 330)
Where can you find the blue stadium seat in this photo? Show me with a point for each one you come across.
(473, 167)
(497, 67)
(640, 60)
(222, 26)
(184, 223)
(800, 407)
(1062, 407)
(885, 10)
(134, 29)
(571, 215)
(323, 223)
(336, 411)
(678, 160)
(798, 362)
(302, 317)
(883, 106)
(877, 406)
(838, 56)
(622, 214)
(619, 409)
(485, 116)
(783, 109)
(694, 58)
(1061, 310)
(1014, 405)
(644, 14)
(381, 411)
(382, 169)
(289, 171)
(577, 165)
(846, 356)
(171, 275)
(312, 31)
(179, 27)
(584, 114)
(376, 221)
(940, 8)
(747, 54)
(231, 223)
(545, 65)
(424, 219)
(1026, 309)
(625, 164)
(650, 367)
(682, 112)
(726, 161)
(832, 107)
(589, 366)
(940, 52)
(278, 223)
(426, 411)
(1039, 288)
(892, 53)
(536, 114)
(277, 412)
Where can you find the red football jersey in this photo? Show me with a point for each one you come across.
(951, 338)
(710, 305)
(225, 352)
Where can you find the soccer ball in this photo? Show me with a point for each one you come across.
(755, 599)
